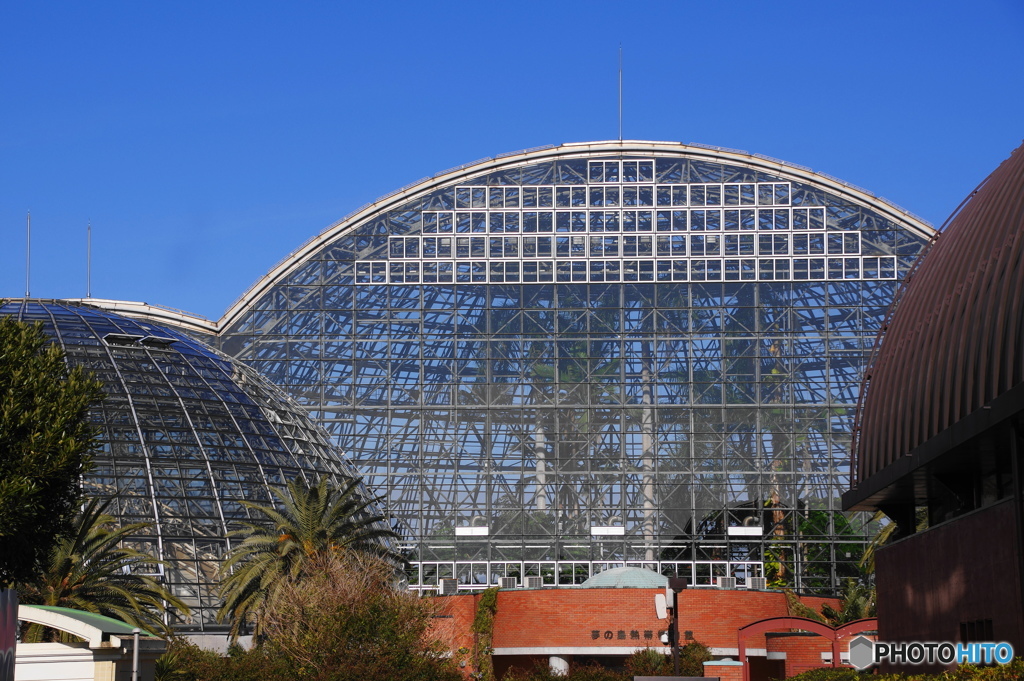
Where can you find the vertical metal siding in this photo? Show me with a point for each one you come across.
(954, 339)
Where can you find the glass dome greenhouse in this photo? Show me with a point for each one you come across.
(610, 354)
(556, 362)
(186, 435)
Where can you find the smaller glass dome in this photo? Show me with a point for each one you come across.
(186, 435)
(626, 578)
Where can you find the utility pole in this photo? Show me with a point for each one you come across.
(135, 653)
(667, 606)
(675, 586)
(28, 253)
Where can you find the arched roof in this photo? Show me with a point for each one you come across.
(955, 338)
(92, 627)
(572, 150)
(185, 436)
(468, 171)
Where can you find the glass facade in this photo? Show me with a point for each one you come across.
(576, 358)
(186, 435)
(589, 357)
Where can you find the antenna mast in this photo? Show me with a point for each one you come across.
(620, 92)
(88, 260)
(28, 252)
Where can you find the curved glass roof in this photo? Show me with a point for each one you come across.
(186, 434)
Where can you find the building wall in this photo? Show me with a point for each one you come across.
(802, 650)
(608, 621)
(962, 571)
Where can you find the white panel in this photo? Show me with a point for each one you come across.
(609, 531)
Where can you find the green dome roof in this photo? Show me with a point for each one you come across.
(626, 578)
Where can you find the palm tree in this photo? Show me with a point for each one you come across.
(313, 522)
(857, 602)
(884, 535)
(89, 570)
(887, 533)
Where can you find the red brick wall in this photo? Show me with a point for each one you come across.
(570, 617)
(803, 651)
(730, 672)
(714, 616)
(577, 617)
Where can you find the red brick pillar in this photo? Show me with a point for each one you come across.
(726, 670)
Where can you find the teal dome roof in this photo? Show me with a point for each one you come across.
(626, 578)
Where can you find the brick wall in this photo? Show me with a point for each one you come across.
(529, 618)
(803, 651)
(725, 671)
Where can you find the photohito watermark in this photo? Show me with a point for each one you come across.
(864, 652)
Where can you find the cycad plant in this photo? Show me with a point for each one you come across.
(312, 522)
(89, 570)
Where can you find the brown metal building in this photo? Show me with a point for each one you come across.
(940, 436)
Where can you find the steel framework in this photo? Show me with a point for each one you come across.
(186, 435)
(595, 355)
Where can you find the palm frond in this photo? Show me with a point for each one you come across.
(90, 570)
(311, 522)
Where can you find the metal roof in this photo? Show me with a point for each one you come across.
(954, 342)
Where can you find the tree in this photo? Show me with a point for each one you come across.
(45, 444)
(345, 621)
(312, 523)
(342, 620)
(857, 602)
(89, 570)
(887, 532)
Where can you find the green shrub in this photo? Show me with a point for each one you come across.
(185, 661)
(342, 622)
(648, 662)
(829, 674)
(692, 657)
(1010, 672)
(542, 672)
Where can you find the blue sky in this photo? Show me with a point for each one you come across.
(205, 141)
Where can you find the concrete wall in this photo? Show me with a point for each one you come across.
(78, 662)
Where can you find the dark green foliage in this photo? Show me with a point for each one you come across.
(483, 627)
(648, 662)
(312, 523)
(1011, 672)
(89, 570)
(692, 657)
(857, 603)
(185, 661)
(829, 674)
(45, 441)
